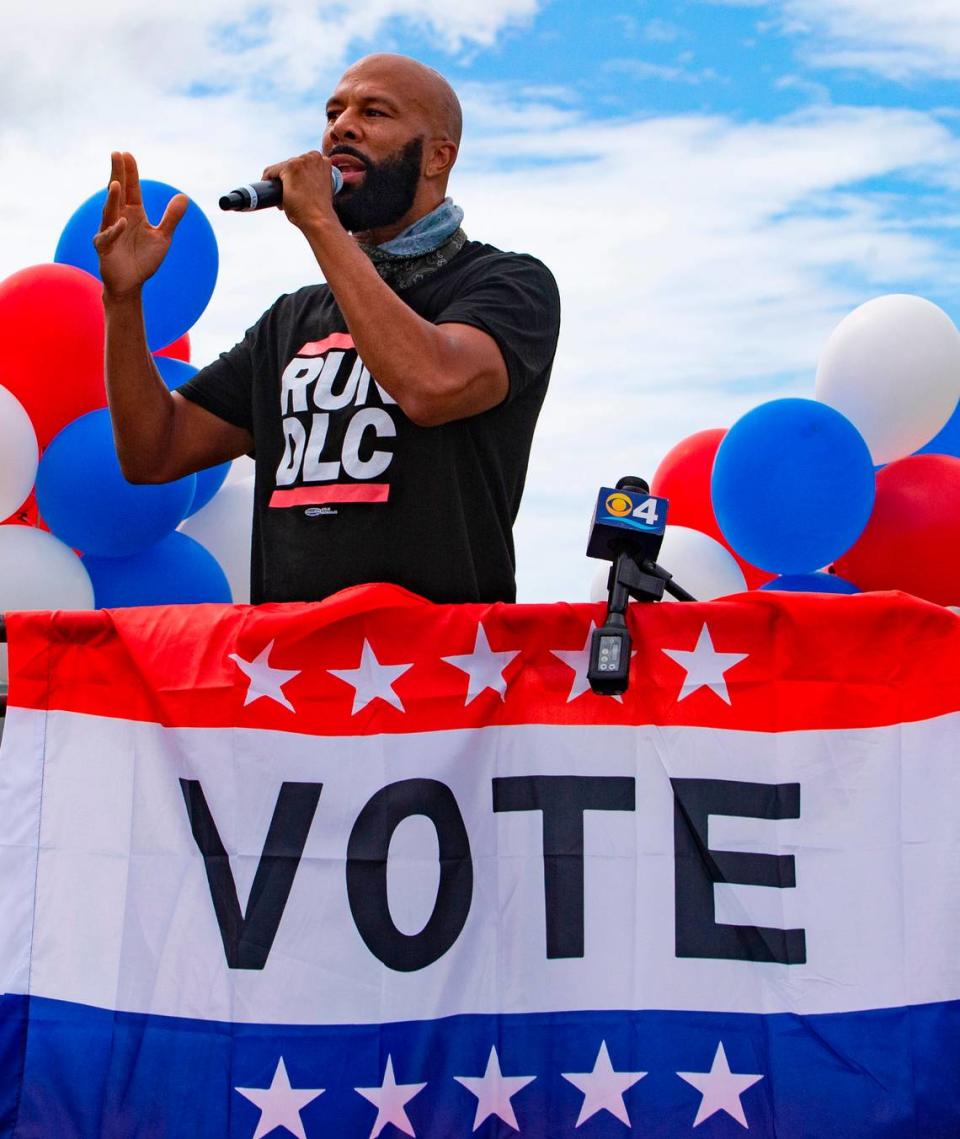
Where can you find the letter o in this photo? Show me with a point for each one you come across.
(367, 853)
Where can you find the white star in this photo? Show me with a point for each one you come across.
(494, 1092)
(372, 680)
(579, 661)
(483, 666)
(280, 1105)
(720, 1089)
(705, 666)
(603, 1088)
(264, 680)
(390, 1099)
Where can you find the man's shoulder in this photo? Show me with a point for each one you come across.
(290, 308)
(307, 296)
(481, 264)
(482, 254)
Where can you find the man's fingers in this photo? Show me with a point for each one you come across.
(131, 184)
(176, 208)
(118, 172)
(116, 167)
(105, 239)
(114, 198)
(111, 205)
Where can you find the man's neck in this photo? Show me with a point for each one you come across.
(388, 232)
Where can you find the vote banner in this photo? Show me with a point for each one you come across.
(380, 867)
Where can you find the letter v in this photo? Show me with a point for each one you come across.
(248, 937)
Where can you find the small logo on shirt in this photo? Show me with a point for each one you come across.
(316, 511)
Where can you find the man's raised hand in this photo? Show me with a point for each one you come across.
(129, 247)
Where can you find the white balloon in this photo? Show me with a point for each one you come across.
(224, 527)
(700, 564)
(19, 454)
(598, 587)
(37, 571)
(892, 367)
(240, 469)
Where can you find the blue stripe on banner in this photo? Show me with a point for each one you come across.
(95, 1074)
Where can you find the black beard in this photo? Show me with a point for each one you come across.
(386, 192)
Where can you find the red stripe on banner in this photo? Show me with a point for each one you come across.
(376, 659)
(331, 492)
(334, 340)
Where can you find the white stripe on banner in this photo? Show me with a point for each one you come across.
(124, 915)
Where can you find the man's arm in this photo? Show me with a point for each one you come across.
(159, 435)
(436, 373)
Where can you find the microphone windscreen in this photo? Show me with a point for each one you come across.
(633, 482)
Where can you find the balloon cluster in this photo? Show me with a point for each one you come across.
(77, 534)
(856, 489)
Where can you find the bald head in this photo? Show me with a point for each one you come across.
(426, 89)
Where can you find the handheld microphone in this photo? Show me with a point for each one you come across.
(261, 195)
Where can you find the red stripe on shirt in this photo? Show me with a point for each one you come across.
(331, 492)
(334, 340)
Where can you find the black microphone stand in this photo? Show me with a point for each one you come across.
(3, 688)
(643, 580)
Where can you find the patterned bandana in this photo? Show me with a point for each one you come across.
(421, 249)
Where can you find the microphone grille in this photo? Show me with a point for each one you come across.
(633, 482)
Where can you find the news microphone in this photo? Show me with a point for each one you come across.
(628, 519)
(626, 529)
(261, 195)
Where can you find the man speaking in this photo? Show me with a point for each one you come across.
(391, 410)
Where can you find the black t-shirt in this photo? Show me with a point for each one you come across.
(348, 489)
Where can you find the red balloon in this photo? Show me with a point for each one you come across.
(912, 541)
(684, 478)
(51, 344)
(178, 349)
(27, 514)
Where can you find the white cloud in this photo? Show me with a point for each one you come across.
(898, 41)
(661, 31)
(702, 260)
(49, 46)
(670, 73)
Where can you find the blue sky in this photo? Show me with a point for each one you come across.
(673, 56)
(624, 58)
(714, 184)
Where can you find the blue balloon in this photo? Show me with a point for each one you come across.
(209, 481)
(947, 439)
(812, 583)
(85, 500)
(181, 288)
(174, 372)
(175, 571)
(793, 485)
